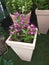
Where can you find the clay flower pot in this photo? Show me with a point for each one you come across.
(13, 17)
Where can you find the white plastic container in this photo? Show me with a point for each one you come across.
(22, 49)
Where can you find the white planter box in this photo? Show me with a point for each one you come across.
(43, 20)
(23, 50)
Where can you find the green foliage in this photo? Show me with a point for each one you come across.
(5, 62)
(22, 6)
(24, 37)
(41, 4)
(0, 60)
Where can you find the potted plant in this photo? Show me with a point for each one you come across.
(22, 6)
(22, 37)
(42, 13)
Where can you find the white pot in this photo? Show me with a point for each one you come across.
(22, 49)
(43, 20)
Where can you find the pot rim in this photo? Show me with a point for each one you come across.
(42, 12)
(23, 43)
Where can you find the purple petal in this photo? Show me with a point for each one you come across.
(24, 26)
(34, 29)
(22, 21)
(32, 33)
(29, 32)
(11, 33)
(32, 25)
(31, 29)
(18, 30)
(16, 14)
(22, 16)
(11, 27)
(28, 27)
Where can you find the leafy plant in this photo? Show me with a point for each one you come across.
(21, 30)
(22, 6)
(41, 4)
(5, 62)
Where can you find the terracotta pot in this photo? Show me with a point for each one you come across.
(13, 17)
(43, 20)
(22, 49)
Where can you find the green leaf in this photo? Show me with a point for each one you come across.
(18, 4)
(14, 36)
(17, 21)
(25, 39)
(0, 60)
(32, 37)
(38, 32)
(23, 31)
(5, 62)
(10, 62)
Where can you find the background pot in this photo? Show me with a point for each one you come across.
(13, 17)
(22, 49)
(43, 20)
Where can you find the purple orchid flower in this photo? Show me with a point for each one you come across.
(22, 16)
(22, 21)
(11, 32)
(33, 26)
(16, 14)
(11, 27)
(24, 26)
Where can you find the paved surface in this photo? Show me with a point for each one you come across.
(3, 47)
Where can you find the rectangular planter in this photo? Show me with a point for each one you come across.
(43, 20)
(22, 49)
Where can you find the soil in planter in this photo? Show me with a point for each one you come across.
(21, 40)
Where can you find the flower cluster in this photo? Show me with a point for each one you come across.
(21, 29)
